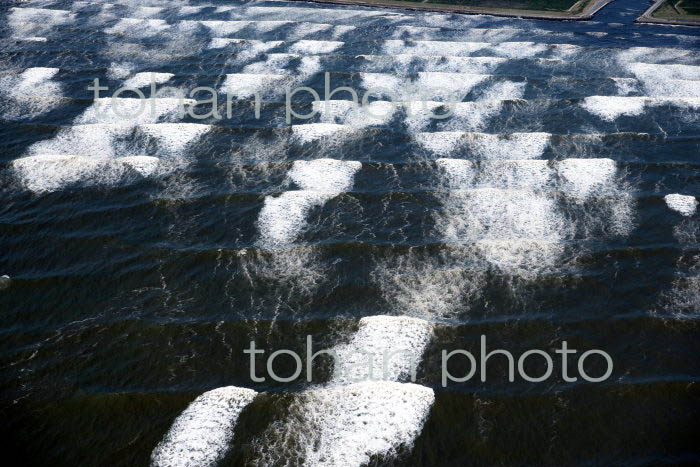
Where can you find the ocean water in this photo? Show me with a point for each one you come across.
(556, 203)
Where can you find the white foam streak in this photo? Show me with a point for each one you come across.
(369, 355)
(683, 204)
(668, 80)
(514, 146)
(138, 27)
(32, 82)
(140, 80)
(243, 85)
(315, 47)
(344, 426)
(200, 436)
(366, 419)
(283, 217)
(612, 107)
(128, 111)
(586, 177)
(355, 115)
(330, 132)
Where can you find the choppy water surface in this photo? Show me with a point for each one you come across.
(556, 203)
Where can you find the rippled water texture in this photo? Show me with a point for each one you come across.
(557, 202)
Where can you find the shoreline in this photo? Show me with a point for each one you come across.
(587, 13)
(591, 9)
(646, 18)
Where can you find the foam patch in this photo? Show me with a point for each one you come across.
(138, 27)
(133, 111)
(515, 146)
(315, 47)
(47, 18)
(31, 93)
(330, 132)
(355, 115)
(682, 204)
(586, 177)
(502, 209)
(610, 108)
(141, 80)
(377, 338)
(395, 47)
(425, 86)
(243, 85)
(282, 218)
(200, 436)
(49, 172)
(668, 80)
(345, 426)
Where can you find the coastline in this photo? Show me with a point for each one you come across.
(593, 7)
(648, 19)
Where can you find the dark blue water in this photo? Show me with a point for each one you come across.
(146, 254)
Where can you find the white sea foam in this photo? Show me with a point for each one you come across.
(20, 19)
(469, 116)
(174, 138)
(424, 85)
(30, 38)
(138, 27)
(654, 55)
(140, 80)
(501, 209)
(272, 61)
(684, 204)
(144, 165)
(612, 107)
(374, 344)
(674, 71)
(315, 47)
(329, 132)
(92, 140)
(441, 143)
(515, 146)
(355, 115)
(243, 85)
(119, 70)
(586, 177)
(222, 28)
(404, 63)
(519, 49)
(393, 47)
(429, 287)
(200, 436)
(668, 80)
(104, 154)
(482, 146)
(132, 111)
(44, 173)
(247, 49)
(625, 86)
(31, 83)
(283, 217)
(345, 426)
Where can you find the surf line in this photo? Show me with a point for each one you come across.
(380, 370)
(411, 94)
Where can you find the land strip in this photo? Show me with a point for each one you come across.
(581, 10)
(678, 12)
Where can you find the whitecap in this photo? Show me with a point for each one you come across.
(683, 204)
(200, 436)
